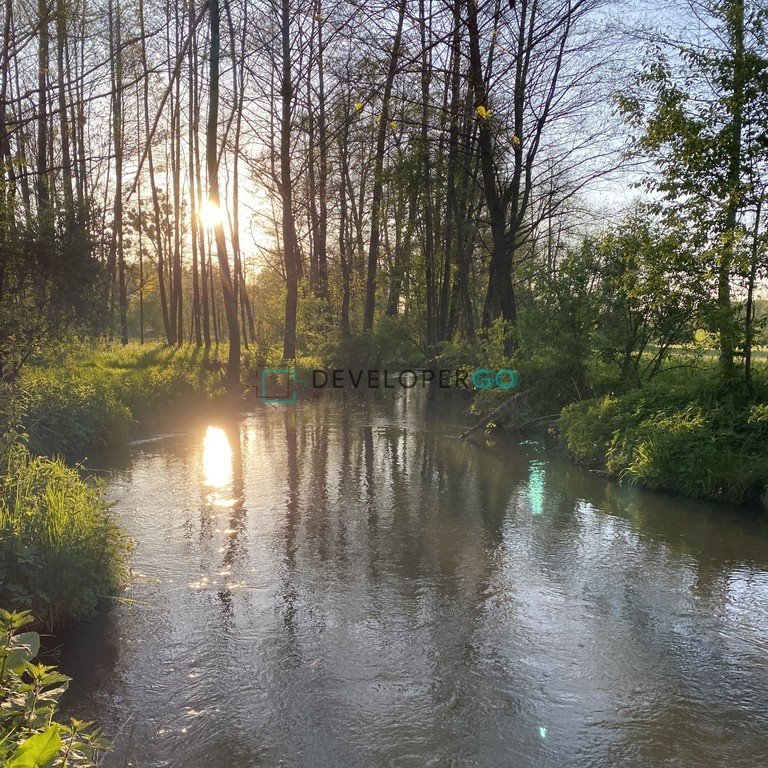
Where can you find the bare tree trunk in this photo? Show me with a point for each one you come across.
(451, 204)
(230, 302)
(192, 173)
(290, 246)
(66, 155)
(321, 241)
(735, 15)
(403, 254)
(84, 200)
(168, 327)
(426, 176)
(238, 90)
(116, 254)
(344, 254)
(205, 305)
(43, 195)
(378, 180)
(177, 298)
(141, 263)
(749, 328)
(500, 299)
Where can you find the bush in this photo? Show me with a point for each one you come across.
(67, 414)
(60, 551)
(393, 342)
(698, 439)
(29, 699)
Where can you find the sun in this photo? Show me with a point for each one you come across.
(210, 214)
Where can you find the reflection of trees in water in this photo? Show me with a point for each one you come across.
(317, 454)
(709, 538)
(235, 539)
(426, 518)
(368, 483)
(292, 521)
(344, 486)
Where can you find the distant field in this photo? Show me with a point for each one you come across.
(758, 353)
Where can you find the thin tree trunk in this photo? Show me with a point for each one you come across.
(42, 108)
(378, 179)
(321, 242)
(192, 173)
(177, 304)
(735, 12)
(749, 329)
(450, 239)
(66, 155)
(290, 246)
(426, 178)
(168, 327)
(116, 254)
(344, 256)
(230, 302)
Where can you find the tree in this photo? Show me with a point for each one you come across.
(699, 112)
(212, 161)
(532, 81)
(378, 180)
(291, 254)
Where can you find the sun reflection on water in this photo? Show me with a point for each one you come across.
(217, 458)
(536, 487)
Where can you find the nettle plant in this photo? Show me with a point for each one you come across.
(29, 700)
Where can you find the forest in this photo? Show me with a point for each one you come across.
(307, 181)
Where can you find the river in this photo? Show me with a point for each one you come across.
(348, 584)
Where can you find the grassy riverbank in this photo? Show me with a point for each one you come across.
(701, 438)
(90, 397)
(61, 553)
(687, 430)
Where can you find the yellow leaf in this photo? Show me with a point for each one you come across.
(392, 125)
(358, 106)
(516, 141)
(482, 112)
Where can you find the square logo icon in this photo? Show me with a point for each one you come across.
(277, 386)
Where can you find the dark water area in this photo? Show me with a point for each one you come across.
(348, 584)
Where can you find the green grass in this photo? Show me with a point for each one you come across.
(90, 397)
(700, 438)
(61, 553)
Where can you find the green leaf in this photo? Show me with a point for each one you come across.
(24, 647)
(37, 751)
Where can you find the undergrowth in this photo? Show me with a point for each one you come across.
(701, 438)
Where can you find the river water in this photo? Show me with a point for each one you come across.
(348, 584)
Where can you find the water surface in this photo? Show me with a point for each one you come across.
(350, 585)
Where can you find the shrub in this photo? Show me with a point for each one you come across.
(60, 551)
(67, 414)
(698, 439)
(29, 699)
(393, 342)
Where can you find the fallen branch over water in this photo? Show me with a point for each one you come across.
(486, 420)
